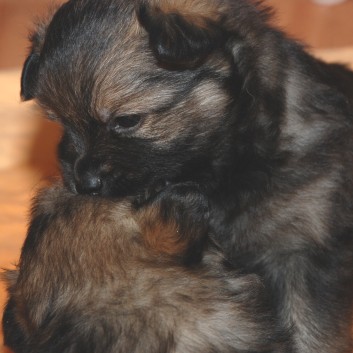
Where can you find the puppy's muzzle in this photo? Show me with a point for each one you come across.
(88, 179)
(89, 184)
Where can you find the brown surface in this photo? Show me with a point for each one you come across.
(16, 19)
(319, 26)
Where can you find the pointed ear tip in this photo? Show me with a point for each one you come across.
(29, 77)
(25, 96)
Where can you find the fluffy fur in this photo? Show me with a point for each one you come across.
(91, 280)
(207, 91)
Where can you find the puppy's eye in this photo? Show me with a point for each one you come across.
(124, 122)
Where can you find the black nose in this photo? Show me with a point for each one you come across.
(88, 179)
(89, 184)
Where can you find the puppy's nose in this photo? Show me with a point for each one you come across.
(89, 184)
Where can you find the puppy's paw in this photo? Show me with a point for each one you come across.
(183, 198)
(149, 193)
(175, 221)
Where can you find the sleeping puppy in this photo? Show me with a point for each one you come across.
(99, 276)
(157, 92)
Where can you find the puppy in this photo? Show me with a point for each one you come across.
(99, 276)
(153, 92)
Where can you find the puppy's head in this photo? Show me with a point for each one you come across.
(145, 90)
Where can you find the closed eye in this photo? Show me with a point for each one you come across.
(124, 123)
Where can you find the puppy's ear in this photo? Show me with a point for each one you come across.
(30, 69)
(29, 76)
(178, 39)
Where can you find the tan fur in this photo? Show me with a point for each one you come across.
(161, 237)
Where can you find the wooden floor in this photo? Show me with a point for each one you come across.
(27, 142)
(317, 25)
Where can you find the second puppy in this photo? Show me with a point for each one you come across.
(99, 276)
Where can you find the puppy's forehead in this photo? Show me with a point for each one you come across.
(96, 58)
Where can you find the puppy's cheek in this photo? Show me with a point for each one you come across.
(67, 159)
(68, 176)
(67, 172)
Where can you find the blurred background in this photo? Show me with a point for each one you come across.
(28, 141)
(320, 26)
